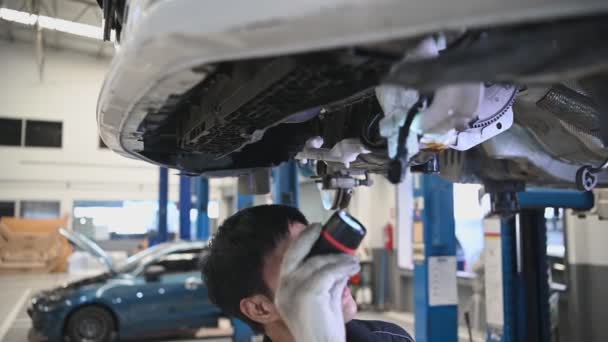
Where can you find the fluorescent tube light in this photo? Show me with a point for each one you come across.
(56, 24)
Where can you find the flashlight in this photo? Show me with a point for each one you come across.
(341, 234)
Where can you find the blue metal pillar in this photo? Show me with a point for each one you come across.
(163, 198)
(524, 265)
(525, 279)
(502, 280)
(242, 331)
(185, 204)
(244, 201)
(285, 187)
(533, 291)
(202, 200)
(435, 292)
(555, 198)
(508, 236)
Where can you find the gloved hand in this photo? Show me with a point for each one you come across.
(309, 295)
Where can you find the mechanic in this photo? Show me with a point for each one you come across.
(256, 270)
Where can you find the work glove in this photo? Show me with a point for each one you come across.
(309, 295)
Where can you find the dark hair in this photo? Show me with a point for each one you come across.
(233, 267)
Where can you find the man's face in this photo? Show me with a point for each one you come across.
(272, 268)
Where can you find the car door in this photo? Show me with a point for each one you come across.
(161, 303)
(192, 309)
(152, 308)
(177, 296)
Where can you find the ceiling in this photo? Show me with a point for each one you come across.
(79, 11)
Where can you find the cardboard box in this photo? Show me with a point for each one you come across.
(33, 245)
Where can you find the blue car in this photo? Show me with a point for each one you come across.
(156, 293)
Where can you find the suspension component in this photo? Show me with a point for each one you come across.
(586, 176)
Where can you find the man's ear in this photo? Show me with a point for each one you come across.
(259, 308)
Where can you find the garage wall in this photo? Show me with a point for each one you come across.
(310, 201)
(80, 170)
(375, 207)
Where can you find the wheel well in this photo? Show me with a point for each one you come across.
(98, 305)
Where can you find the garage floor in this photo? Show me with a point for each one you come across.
(15, 291)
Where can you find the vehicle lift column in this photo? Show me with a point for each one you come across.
(435, 283)
(244, 201)
(242, 331)
(185, 204)
(516, 267)
(202, 200)
(285, 187)
(163, 198)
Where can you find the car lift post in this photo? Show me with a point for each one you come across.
(285, 187)
(202, 200)
(435, 283)
(516, 272)
(185, 204)
(285, 191)
(163, 198)
(244, 201)
(242, 331)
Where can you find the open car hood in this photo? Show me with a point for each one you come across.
(90, 246)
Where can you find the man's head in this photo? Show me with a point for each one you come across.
(242, 267)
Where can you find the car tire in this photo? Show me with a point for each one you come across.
(91, 324)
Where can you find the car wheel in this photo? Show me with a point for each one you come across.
(91, 324)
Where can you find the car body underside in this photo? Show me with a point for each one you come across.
(520, 98)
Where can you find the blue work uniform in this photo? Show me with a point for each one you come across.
(372, 331)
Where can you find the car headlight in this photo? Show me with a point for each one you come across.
(51, 301)
(56, 297)
(47, 306)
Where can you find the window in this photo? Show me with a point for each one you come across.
(468, 219)
(7, 208)
(102, 144)
(40, 209)
(10, 132)
(121, 219)
(43, 133)
(180, 261)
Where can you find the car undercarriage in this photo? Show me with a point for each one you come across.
(506, 106)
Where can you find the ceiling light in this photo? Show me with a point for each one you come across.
(56, 24)
(17, 16)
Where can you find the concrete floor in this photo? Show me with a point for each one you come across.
(15, 291)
